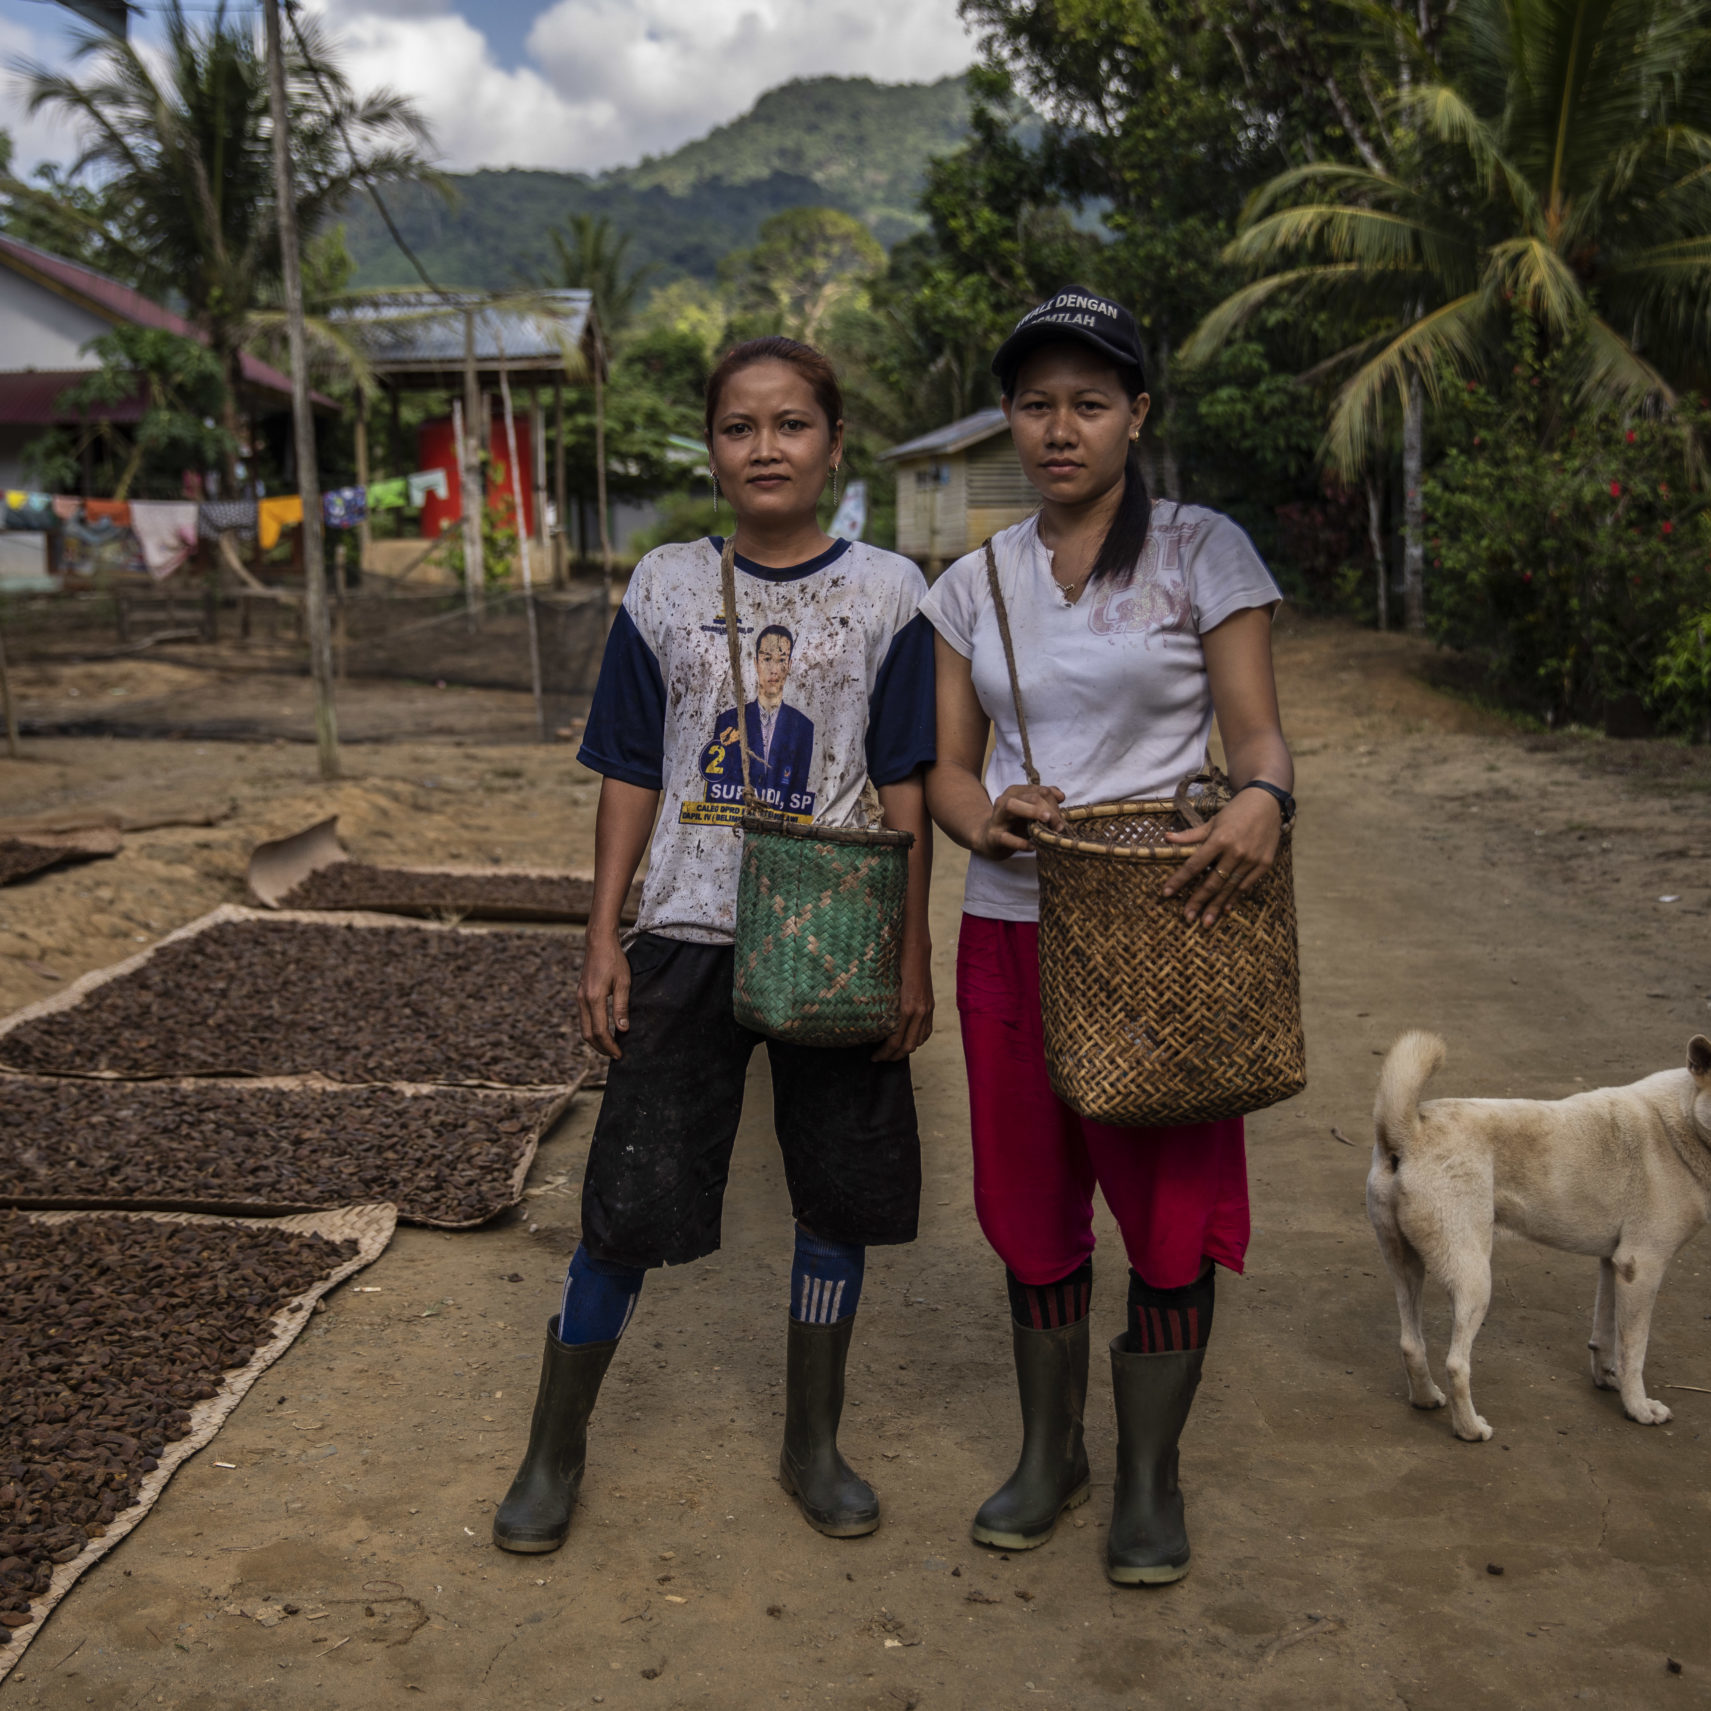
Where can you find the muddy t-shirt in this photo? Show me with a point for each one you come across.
(837, 689)
(1114, 686)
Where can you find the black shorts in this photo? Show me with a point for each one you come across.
(661, 1154)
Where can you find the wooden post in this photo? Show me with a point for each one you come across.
(469, 476)
(340, 547)
(364, 539)
(600, 480)
(523, 546)
(303, 420)
(1375, 538)
(538, 451)
(561, 563)
(6, 706)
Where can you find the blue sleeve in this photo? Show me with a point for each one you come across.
(900, 716)
(625, 735)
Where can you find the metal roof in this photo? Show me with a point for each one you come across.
(419, 334)
(112, 301)
(954, 437)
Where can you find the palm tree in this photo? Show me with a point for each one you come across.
(593, 256)
(180, 143)
(1561, 168)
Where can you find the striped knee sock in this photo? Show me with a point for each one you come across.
(825, 1279)
(599, 1298)
(1051, 1306)
(1168, 1321)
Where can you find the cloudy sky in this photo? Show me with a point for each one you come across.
(581, 84)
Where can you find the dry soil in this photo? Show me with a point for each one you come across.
(1541, 901)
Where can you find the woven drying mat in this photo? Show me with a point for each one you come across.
(351, 998)
(22, 856)
(447, 1157)
(311, 870)
(369, 1227)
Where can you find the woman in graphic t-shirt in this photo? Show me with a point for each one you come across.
(1133, 624)
(842, 670)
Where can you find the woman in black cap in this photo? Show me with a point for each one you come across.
(1133, 623)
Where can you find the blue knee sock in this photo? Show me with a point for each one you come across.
(599, 1298)
(825, 1279)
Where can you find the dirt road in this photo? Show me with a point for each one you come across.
(1506, 890)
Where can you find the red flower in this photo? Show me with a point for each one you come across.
(1526, 576)
(1437, 564)
(1630, 436)
(1615, 490)
(1636, 582)
(1668, 526)
(1663, 487)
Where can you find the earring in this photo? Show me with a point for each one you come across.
(713, 474)
(1134, 433)
(837, 485)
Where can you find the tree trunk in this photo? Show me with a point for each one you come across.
(1414, 508)
(1375, 539)
(1169, 468)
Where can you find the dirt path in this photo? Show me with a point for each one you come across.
(1500, 888)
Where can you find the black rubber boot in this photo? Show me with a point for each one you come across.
(835, 1498)
(1148, 1541)
(535, 1515)
(1051, 1374)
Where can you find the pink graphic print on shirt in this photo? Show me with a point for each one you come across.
(1155, 596)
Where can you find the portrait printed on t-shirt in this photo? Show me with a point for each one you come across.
(781, 738)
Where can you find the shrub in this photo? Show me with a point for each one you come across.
(1565, 546)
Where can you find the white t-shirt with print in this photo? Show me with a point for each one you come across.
(1114, 686)
(837, 687)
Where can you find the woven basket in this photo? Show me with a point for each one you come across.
(1149, 1021)
(819, 929)
(819, 937)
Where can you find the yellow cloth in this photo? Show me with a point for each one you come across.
(272, 515)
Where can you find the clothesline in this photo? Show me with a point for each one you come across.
(167, 530)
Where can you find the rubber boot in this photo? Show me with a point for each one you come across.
(836, 1500)
(1148, 1541)
(535, 1515)
(1052, 1476)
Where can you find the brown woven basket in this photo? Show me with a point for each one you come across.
(1151, 1022)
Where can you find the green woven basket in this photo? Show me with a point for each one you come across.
(819, 934)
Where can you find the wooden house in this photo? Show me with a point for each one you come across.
(956, 486)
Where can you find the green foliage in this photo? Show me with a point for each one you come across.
(846, 143)
(806, 264)
(590, 255)
(182, 386)
(1565, 544)
(1681, 680)
(498, 546)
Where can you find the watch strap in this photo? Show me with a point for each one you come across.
(1284, 800)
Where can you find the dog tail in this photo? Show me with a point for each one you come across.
(1408, 1066)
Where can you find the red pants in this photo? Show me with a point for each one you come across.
(1177, 1194)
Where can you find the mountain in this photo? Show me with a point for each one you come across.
(841, 142)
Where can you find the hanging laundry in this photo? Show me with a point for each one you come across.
(272, 515)
(391, 495)
(67, 507)
(219, 515)
(424, 482)
(116, 511)
(166, 531)
(31, 511)
(344, 507)
(95, 533)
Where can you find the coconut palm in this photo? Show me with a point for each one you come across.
(180, 142)
(1559, 167)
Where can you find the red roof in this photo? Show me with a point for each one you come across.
(33, 399)
(115, 302)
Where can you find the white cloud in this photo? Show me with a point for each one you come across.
(42, 137)
(613, 80)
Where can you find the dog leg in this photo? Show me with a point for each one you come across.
(1638, 1278)
(1468, 1278)
(1603, 1344)
(1408, 1274)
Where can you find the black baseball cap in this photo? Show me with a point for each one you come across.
(1082, 317)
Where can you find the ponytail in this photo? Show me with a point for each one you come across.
(1120, 551)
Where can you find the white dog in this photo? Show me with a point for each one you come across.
(1623, 1173)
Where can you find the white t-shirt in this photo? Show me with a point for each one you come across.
(1114, 686)
(837, 688)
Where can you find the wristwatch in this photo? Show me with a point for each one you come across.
(1284, 800)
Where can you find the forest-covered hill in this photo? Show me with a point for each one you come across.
(841, 142)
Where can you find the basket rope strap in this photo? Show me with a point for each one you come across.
(728, 576)
(1010, 661)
